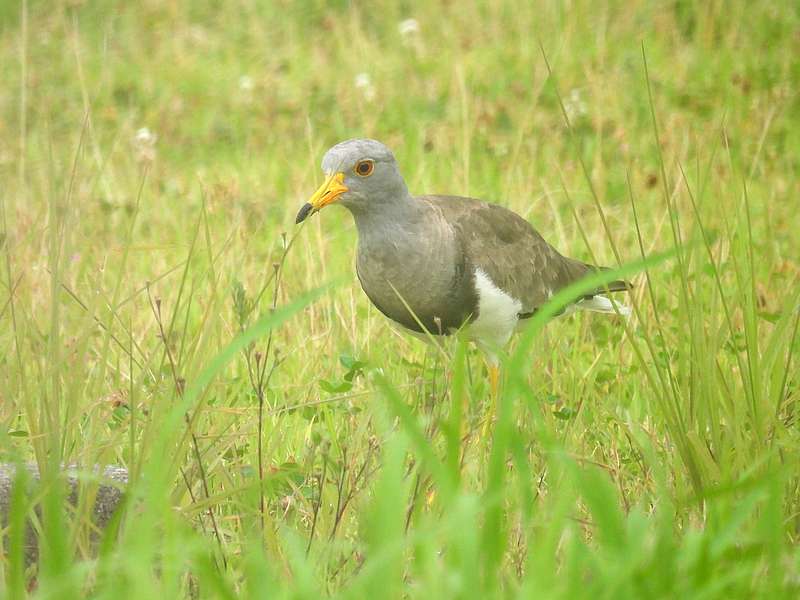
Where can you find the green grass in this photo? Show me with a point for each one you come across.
(283, 439)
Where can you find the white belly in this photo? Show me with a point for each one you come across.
(498, 314)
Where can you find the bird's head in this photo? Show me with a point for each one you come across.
(360, 174)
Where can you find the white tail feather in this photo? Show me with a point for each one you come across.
(603, 305)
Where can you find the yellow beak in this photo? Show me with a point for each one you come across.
(328, 192)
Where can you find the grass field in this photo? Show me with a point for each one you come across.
(160, 310)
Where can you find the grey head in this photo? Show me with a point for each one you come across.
(361, 174)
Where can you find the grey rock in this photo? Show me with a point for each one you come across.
(110, 492)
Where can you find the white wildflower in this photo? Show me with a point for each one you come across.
(246, 83)
(145, 145)
(409, 33)
(145, 136)
(408, 27)
(574, 105)
(364, 83)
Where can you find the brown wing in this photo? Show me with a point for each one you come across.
(510, 251)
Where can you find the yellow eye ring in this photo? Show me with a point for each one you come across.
(364, 168)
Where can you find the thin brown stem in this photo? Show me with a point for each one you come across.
(180, 385)
(318, 503)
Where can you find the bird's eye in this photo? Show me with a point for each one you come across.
(364, 168)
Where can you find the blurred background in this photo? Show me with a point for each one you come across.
(153, 156)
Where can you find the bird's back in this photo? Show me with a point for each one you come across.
(508, 250)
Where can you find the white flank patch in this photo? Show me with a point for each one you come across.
(497, 315)
(604, 305)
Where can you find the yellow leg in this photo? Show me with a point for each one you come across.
(494, 385)
(494, 379)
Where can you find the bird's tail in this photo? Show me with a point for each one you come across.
(618, 285)
(602, 304)
(595, 301)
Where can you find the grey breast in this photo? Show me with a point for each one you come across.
(414, 270)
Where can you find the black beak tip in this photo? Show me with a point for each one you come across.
(303, 213)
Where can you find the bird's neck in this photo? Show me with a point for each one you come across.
(388, 219)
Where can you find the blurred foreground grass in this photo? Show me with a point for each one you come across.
(152, 158)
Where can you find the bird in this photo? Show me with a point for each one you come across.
(436, 264)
